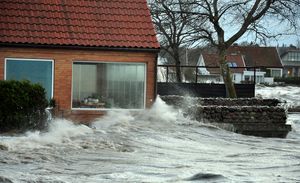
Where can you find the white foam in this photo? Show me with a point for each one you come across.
(290, 94)
(111, 119)
(60, 131)
(160, 111)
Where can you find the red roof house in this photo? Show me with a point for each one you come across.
(91, 56)
(211, 71)
(265, 58)
(233, 60)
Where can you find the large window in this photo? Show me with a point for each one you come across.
(108, 85)
(292, 56)
(35, 70)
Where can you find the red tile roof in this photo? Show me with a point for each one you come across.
(97, 23)
(258, 56)
(212, 60)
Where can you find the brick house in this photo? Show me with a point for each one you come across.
(91, 56)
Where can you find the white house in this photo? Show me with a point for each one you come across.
(209, 71)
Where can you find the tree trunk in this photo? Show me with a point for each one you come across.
(227, 75)
(178, 69)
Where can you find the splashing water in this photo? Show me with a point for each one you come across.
(154, 145)
(290, 94)
(60, 131)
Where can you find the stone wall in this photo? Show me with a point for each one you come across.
(180, 101)
(249, 116)
(237, 114)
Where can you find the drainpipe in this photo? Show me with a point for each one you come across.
(155, 77)
(254, 75)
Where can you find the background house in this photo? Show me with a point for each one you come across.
(290, 58)
(266, 59)
(188, 57)
(90, 56)
(213, 75)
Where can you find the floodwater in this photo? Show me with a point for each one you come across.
(290, 94)
(156, 145)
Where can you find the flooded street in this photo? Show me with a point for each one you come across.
(156, 145)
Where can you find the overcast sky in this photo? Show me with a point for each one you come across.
(289, 36)
(285, 39)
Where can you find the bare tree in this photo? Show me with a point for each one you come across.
(230, 19)
(174, 28)
(220, 23)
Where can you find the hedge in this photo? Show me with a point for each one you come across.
(289, 80)
(22, 106)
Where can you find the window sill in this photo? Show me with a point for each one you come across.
(102, 109)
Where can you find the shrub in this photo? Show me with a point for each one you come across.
(22, 106)
(289, 80)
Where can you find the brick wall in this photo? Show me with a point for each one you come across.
(63, 59)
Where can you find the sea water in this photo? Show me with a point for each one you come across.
(155, 145)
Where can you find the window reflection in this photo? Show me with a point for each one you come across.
(108, 85)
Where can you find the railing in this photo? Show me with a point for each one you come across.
(199, 82)
(171, 69)
(203, 81)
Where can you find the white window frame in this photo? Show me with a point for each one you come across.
(35, 60)
(276, 69)
(109, 109)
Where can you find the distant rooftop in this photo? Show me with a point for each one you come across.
(258, 56)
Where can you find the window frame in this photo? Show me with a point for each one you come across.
(276, 69)
(34, 60)
(109, 62)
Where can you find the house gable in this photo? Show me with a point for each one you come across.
(202, 70)
(291, 58)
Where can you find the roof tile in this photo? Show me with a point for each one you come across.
(101, 23)
(258, 56)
